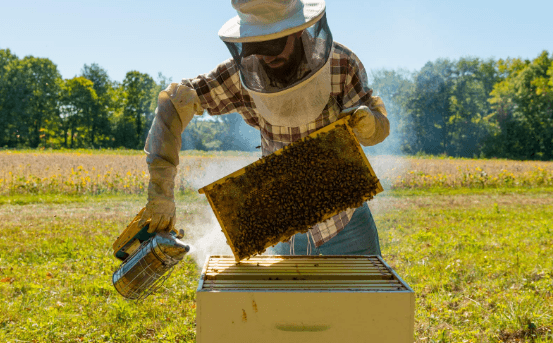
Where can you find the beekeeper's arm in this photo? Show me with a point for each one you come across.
(176, 107)
(369, 119)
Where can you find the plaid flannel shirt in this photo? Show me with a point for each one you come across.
(221, 92)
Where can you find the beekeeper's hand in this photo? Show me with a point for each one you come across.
(369, 123)
(160, 214)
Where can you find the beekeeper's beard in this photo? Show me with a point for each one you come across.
(289, 69)
(297, 105)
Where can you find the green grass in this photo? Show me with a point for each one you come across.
(481, 270)
(432, 191)
(55, 270)
(26, 199)
(481, 265)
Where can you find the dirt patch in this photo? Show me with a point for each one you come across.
(125, 210)
(110, 210)
(528, 334)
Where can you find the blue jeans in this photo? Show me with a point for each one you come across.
(359, 237)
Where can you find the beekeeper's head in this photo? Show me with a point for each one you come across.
(277, 44)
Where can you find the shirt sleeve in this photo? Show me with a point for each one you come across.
(356, 91)
(219, 90)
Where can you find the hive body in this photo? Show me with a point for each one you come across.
(292, 189)
(303, 299)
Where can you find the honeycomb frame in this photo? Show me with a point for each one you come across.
(232, 196)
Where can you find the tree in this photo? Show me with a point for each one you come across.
(162, 83)
(522, 102)
(202, 134)
(138, 95)
(428, 105)
(394, 87)
(102, 107)
(470, 113)
(77, 104)
(235, 134)
(30, 99)
(8, 100)
(445, 109)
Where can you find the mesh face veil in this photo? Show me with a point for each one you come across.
(275, 65)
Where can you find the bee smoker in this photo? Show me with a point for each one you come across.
(148, 260)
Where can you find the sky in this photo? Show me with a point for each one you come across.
(180, 40)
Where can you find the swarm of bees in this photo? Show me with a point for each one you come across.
(283, 194)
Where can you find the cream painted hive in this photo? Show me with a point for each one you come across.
(303, 299)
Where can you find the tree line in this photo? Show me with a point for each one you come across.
(40, 109)
(471, 107)
(466, 108)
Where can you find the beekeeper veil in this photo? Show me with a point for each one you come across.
(282, 49)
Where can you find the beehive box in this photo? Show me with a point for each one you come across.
(291, 190)
(303, 299)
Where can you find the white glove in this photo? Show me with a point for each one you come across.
(176, 107)
(369, 124)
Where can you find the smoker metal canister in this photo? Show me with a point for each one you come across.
(149, 266)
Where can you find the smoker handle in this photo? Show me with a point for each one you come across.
(302, 327)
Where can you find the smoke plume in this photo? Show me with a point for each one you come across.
(203, 232)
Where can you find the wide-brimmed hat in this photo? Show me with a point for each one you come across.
(260, 20)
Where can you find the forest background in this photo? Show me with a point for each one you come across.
(463, 108)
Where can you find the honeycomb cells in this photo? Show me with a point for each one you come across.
(284, 194)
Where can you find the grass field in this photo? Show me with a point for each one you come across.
(479, 260)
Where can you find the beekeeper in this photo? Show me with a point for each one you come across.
(287, 78)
